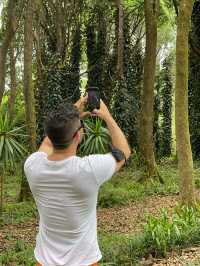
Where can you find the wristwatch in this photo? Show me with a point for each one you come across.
(117, 153)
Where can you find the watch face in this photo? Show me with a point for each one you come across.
(119, 155)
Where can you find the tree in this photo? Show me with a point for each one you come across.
(28, 83)
(91, 54)
(96, 47)
(109, 80)
(101, 49)
(13, 82)
(120, 45)
(185, 161)
(29, 98)
(121, 100)
(147, 100)
(7, 39)
(75, 63)
(166, 95)
(157, 114)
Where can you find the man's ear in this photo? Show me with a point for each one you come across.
(78, 137)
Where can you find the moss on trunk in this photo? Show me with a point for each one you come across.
(185, 161)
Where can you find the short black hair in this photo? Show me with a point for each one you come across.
(61, 123)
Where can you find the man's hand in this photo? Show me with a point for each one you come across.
(80, 104)
(103, 112)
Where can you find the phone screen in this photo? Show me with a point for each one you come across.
(93, 98)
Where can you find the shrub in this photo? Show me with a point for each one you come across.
(96, 137)
(164, 233)
(20, 254)
(122, 250)
(10, 148)
(19, 212)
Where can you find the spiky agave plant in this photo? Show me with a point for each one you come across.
(11, 150)
(96, 137)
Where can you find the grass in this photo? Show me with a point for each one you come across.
(196, 262)
(20, 255)
(122, 250)
(160, 236)
(124, 186)
(16, 213)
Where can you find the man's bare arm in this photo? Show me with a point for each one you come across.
(118, 138)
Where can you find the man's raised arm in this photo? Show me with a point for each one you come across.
(119, 140)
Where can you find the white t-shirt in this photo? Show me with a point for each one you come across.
(66, 193)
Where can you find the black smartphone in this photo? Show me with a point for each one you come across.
(93, 98)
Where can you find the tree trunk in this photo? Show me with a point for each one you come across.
(13, 82)
(25, 192)
(120, 46)
(28, 84)
(147, 98)
(60, 30)
(9, 34)
(28, 92)
(1, 197)
(185, 161)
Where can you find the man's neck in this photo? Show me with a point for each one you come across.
(58, 155)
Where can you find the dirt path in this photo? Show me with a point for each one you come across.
(9, 234)
(130, 218)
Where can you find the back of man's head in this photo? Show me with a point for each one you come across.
(61, 124)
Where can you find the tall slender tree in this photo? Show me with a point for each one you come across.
(13, 82)
(91, 54)
(166, 96)
(157, 113)
(28, 83)
(75, 63)
(147, 101)
(185, 161)
(120, 46)
(5, 43)
(29, 98)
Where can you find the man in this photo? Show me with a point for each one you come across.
(65, 186)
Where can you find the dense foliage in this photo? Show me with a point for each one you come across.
(166, 95)
(126, 100)
(194, 80)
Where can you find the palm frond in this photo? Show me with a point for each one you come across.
(10, 147)
(96, 137)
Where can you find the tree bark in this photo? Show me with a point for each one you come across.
(120, 45)
(185, 160)
(60, 30)
(29, 98)
(28, 84)
(147, 98)
(13, 82)
(1, 189)
(9, 34)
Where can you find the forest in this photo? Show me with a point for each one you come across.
(144, 57)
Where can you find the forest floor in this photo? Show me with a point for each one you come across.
(20, 225)
(121, 220)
